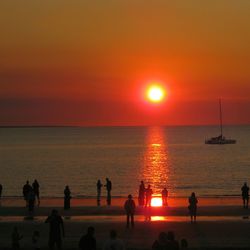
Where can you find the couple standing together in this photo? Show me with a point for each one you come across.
(99, 189)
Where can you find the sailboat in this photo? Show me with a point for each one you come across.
(220, 139)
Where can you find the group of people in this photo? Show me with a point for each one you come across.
(88, 241)
(30, 194)
(57, 232)
(145, 195)
(167, 241)
(108, 186)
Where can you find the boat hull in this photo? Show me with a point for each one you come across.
(220, 141)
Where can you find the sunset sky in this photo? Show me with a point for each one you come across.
(90, 62)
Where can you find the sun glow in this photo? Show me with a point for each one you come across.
(155, 93)
(156, 202)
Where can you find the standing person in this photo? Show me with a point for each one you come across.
(31, 200)
(164, 195)
(113, 243)
(1, 190)
(15, 239)
(245, 195)
(109, 188)
(56, 224)
(141, 197)
(149, 193)
(26, 191)
(36, 187)
(99, 189)
(67, 198)
(129, 207)
(192, 207)
(88, 241)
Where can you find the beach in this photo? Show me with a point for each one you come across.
(221, 222)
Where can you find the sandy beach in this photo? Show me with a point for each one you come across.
(221, 223)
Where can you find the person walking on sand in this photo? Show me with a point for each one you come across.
(88, 241)
(192, 200)
(56, 224)
(141, 196)
(113, 243)
(15, 239)
(245, 195)
(149, 193)
(164, 195)
(36, 186)
(129, 207)
(26, 190)
(99, 189)
(67, 198)
(109, 188)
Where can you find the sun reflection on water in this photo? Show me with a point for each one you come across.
(155, 170)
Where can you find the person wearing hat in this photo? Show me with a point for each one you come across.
(129, 207)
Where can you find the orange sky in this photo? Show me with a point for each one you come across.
(87, 62)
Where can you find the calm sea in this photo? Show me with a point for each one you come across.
(172, 157)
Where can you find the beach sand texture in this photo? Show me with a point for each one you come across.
(221, 223)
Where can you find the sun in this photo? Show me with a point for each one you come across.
(155, 93)
(156, 202)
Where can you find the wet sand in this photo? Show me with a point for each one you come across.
(221, 223)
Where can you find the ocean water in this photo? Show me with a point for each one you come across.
(172, 157)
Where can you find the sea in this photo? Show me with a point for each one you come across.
(174, 157)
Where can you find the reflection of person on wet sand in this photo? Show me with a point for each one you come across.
(141, 196)
(148, 193)
(245, 195)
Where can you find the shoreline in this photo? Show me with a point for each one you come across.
(119, 201)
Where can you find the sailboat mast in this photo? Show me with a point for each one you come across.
(220, 118)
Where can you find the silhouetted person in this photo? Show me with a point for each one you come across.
(26, 190)
(56, 224)
(67, 198)
(88, 242)
(99, 189)
(164, 195)
(141, 196)
(1, 190)
(192, 207)
(173, 244)
(31, 200)
(148, 193)
(161, 243)
(113, 243)
(109, 188)
(129, 207)
(15, 239)
(35, 240)
(245, 195)
(184, 244)
(35, 187)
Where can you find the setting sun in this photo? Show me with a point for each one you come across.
(155, 93)
(156, 202)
